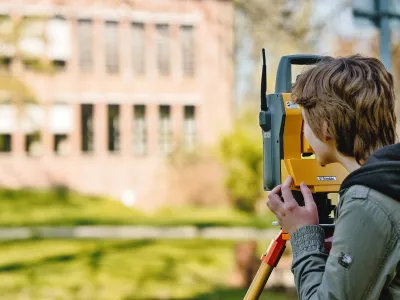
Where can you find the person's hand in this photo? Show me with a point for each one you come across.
(291, 216)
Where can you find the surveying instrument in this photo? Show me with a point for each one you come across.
(287, 152)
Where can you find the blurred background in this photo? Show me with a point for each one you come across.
(130, 164)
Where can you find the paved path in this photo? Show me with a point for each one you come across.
(138, 232)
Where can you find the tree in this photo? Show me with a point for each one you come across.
(14, 30)
(282, 27)
(16, 35)
(241, 151)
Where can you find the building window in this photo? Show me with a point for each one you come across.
(58, 41)
(31, 34)
(163, 51)
(87, 132)
(7, 48)
(139, 128)
(113, 128)
(138, 48)
(8, 117)
(61, 126)
(85, 45)
(111, 47)
(5, 142)
(60, 144)
(32, 122)
(5, 64)
(189, 127)
(32, 144)
(188, 50)
(165, 129)
(59, 65)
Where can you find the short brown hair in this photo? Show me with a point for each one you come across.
(355, 95)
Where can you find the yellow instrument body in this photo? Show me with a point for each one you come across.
(318, 178)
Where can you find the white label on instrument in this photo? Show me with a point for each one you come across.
(326, 178)
(267, 134)
(291, 105)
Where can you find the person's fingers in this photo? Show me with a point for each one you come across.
(290, 204)
(308, 197)
(274, 203)
(276, 189)
(273, 197)
(287, 193)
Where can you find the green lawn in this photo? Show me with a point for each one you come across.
(60, 207)
(228, 294)
(146, 269)
(116, 270)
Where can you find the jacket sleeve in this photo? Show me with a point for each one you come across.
(352, 267)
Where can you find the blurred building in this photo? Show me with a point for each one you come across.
(130, 83)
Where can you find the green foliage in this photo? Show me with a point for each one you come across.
(3, 142)
(12, 32)
(63, 207)
(59, 206)
(39, 65)
(232, 294)
(13, 87)
(119, 270)
(242, 153)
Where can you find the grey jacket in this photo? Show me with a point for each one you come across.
(364, 260)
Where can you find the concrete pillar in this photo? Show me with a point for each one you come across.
(177, 112)
(75, 139)
(73, 61)
(199, 115)
(151, 52)
(47, 137)
(125, 47)
(17, 139)
(99, 59)
(175, 52)
(100, 128)
(152, 117)
(126, 121)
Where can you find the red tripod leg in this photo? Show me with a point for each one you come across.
(268, 262)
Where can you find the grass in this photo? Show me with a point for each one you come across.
(228, 294)
(116, 270)
(145, 269)
(61, 207)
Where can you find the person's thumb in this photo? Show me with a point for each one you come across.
(309, 202)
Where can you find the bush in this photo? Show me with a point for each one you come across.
(241, 152)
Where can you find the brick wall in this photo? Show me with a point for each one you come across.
(147, 177)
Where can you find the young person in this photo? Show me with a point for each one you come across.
(348, 107)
